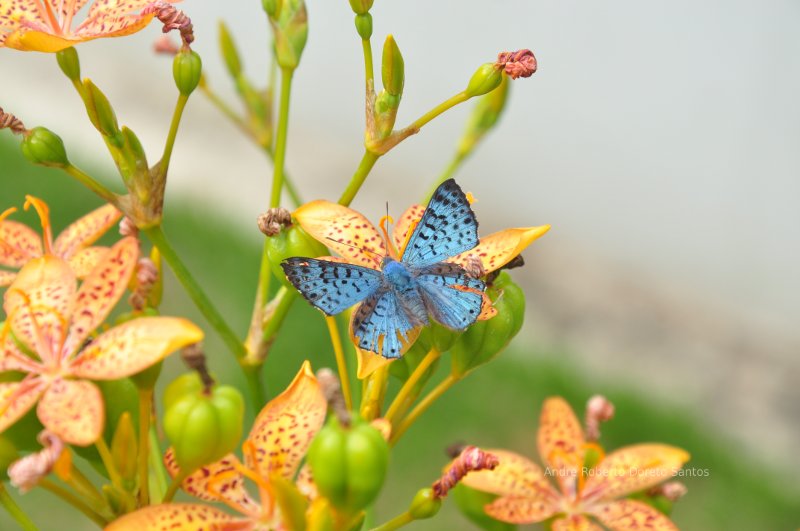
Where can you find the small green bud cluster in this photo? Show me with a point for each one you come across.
(289, 20)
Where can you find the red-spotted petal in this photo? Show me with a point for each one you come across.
(575, 522)
(305, 483)
(133, 346)
(520, 510)
(7, 277)
(18, 243)
(179, 517)
(344, 230)
(283, 430)
(101, 290)
(39, 303)
(18, 12)
(73, 410)
(16, 399)
(514, 476)
(496, 250)
(11, 359)
(405, 225)
(561, 442)
(633, 468)
(84, 261)
(85, 231)
(630, 515)
(218, 482)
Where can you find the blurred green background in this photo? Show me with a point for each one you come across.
(497, 406)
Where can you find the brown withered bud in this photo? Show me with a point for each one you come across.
(172, 18)
(9, 121)
(598, 409)
(273, 220)
(194, 358)
(128, 228)
(146, 278)
(672, 490)
(25, 473)
(521, 63)
(471, 459)
(332, 389)
(165, 45)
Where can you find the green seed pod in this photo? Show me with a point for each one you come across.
(424, 505)
(485, 79)
(392, 68)
(290, 242)
(485, 116)
(187, 68)
(42, 146)
(471, 503)
(361, 7)
(101, 113)
(485, 339)
(349, 464)
(69, 63)
(229, 52)
(203, 427)
(364, 25)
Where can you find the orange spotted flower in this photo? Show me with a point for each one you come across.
(48, 337)
(583, 495)
(19, 244)
(280, 437)
(49, 25)
(358, 242)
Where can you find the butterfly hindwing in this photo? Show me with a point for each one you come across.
(381, 324)
(451, 296)
(331, 286)
(448, 227)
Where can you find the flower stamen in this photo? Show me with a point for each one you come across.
(44, 216)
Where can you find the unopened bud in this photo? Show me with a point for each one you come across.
(364, 25)
(521, 63)
(124, 447)
(392, 68)
(187, 69)
(101, 113)
(271, 7)
(228, 51)
(425, 504)
(127, 227)
(42, 146)
(290, 25)
(361, 7)
(485, 79)
(671, 490)
(69, 63)
(598, 409)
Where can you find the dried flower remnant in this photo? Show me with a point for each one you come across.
(165, 45)
(598, 409)
(12, 123)
(471, 459)
(521, 63)
(26, 472)
(273, 220)
(173, 19)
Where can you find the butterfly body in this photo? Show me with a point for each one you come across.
(401, 297)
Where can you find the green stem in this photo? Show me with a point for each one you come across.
(175, 486)
(198, 296)
(159, 477)
(145, 410)
(368, 68)
(78, 481)
(279, 316)
(108, 462)
(423, 406)
(252, 374)
(448, 172)
(281, 137)
(180, 105)
(73, 500)
(365, 166)
(373, 393)
(411, 384)
(397, 522)
(89, 182)
(225, 109)
(341, 364)
(461, 97)
(15, 510)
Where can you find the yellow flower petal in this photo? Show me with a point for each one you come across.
(344, 230)
(18, 244)
(576, 522)
(85, 260)
(6, 278)
(37, 41)
(496, 250)
(406, 223)
(133, 346)
(633, 468)
(73, 410)
(218, 482)
(178, 516)
(369, 362)
(520, 510)
(16, 399)
(283, 430)
(39, 302)
(85, 231)
(630, 515)
(101, 290)
(515, 476)
(560, 442)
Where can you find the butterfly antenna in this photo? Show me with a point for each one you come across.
(376, 256)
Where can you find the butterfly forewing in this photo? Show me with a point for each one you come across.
(448, 227)
(331, 286)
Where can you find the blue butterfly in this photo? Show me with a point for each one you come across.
(403, 295)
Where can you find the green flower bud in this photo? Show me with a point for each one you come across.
(392, 68)
(228, 51)
(203, 426)
(290, 25)
(69, 63)
(290, 242)
(364, 25)
(485, 115)
(271, 7)
(471, 503)
(485, 79)
(8, 454)
(42, 146)
(361, 7)
(386, 106)
(187, 68)
(124, 448)
(137, 158)
(486, 339)
(101, 113)
(424, 505)
(349, 464)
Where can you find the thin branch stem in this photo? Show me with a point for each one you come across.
(108, 463)
(73, 500)
(225, 109)
(175, 486)
(15, 510)
(397, 522)
(180, 105)
(143, 455)
(449, 103)
(423, 406)
(374, 391)
(159, 476)
(410, 385)
(287, 298)
(88, 181)
(369, 70)
(341, 364)
(281, 137)
(357, 180)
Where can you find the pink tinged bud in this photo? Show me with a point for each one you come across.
(26, 473)
(672, 490)
(521, 63)
(146, 278)
(166, 46)
(598, 409)
(471, 459)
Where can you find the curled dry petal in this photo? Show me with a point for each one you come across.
(25, 473)
(73, 410)
(471, 459)
(521, 63)
(598, 409)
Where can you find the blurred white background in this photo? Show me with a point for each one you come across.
(660, 139)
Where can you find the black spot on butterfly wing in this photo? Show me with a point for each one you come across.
(331, 286)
